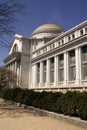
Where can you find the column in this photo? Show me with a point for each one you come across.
(84, 31)
(34, 76)
(15, 76)
(48, 72)
(17, 71)
(56, 70)
(20, 75)
(41, 73)
(8, 66)
(66, 69)
(11, 66)
(77, 65)
(15, 65)
(80, 66)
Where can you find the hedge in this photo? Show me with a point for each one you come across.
(69, 103)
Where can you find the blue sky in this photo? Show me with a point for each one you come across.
(66, 13)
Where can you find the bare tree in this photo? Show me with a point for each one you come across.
(8, 13)
(8, 78)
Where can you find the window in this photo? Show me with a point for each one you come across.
(62, 41)
(84, 63)
(84, 71)
(61, 68)
(15, 48)
(86, 30)
(73, 36)
(81, 32)
(52, 70)
(69, 38)
(44, 71)
(72, 65)
(53, 45)
(59, 43)
(38, 73)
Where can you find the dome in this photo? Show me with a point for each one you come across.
(48, 27)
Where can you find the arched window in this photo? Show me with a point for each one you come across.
(15, 48)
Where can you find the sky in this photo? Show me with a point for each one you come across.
(66, 13)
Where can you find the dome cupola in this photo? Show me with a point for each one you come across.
(49, 27)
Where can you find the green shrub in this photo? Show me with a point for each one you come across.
(25, 96)
(8, 94)
(2, 93)
(70, 103)
(82, 109)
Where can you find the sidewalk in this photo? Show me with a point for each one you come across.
(17, 118)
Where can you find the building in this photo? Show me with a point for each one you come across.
(50, 58)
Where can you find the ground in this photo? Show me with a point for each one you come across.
(13, 117)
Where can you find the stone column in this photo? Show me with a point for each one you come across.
(15, 67)
(77, 66)
(56, 70)
(48, 73)
(9, 66)
(80, 66)
(17, 70)
(34, 76)
(20, 75)
(12, 65)
(66, 68)
(41, 73)
(84, 31)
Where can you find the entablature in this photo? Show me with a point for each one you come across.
(14, 55)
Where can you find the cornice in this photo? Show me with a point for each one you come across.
(15, 55)
(55, 50)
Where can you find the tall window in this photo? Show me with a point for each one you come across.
(44, 71)
(84, 62)
(72, 65)
(52, 70)
(61, 68)
(15, 48)
(38, 73)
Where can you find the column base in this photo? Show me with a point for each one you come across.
(47, 84)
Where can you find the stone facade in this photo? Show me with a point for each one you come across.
(50, 58)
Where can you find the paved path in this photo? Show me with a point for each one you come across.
(16, 118)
